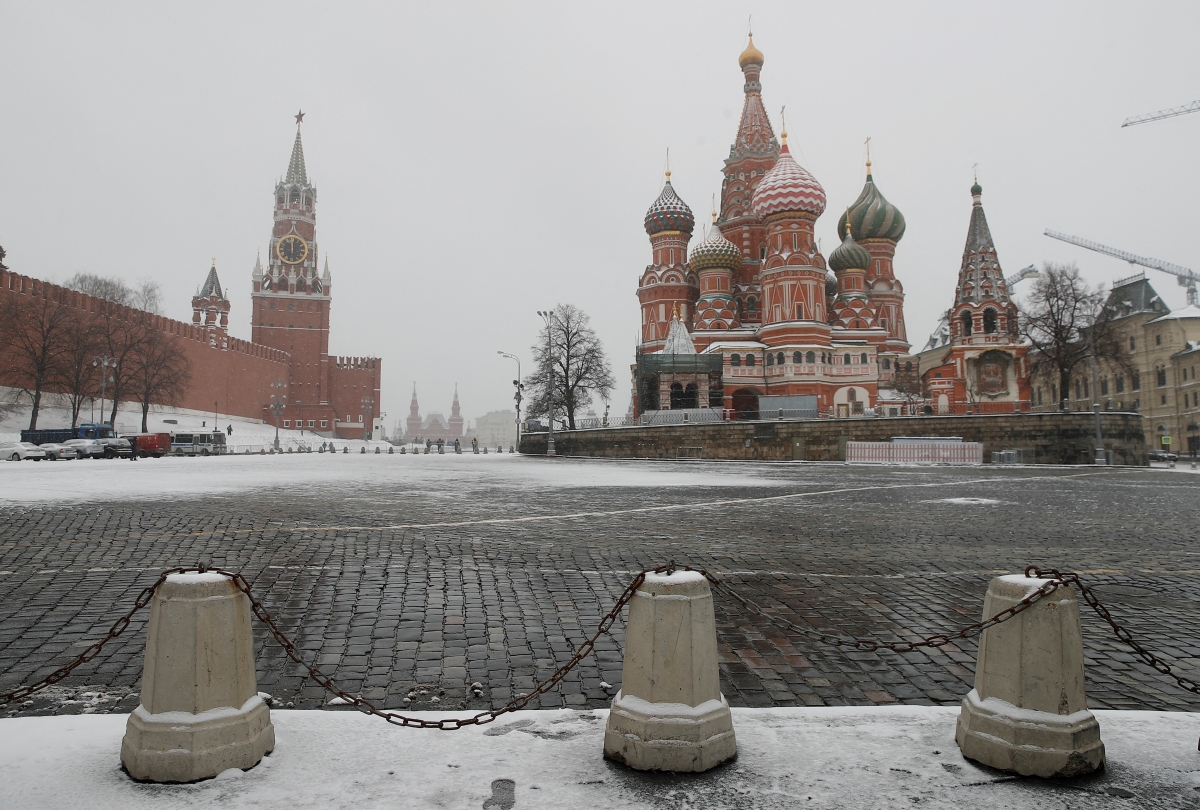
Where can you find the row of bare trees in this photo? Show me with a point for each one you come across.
(51, 346)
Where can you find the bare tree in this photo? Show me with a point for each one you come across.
(908, 385)
(75, 374)
(1065, 321)
(570, 347)
(160, 373)
(37, 339)
(120, 326)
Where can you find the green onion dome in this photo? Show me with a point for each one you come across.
(849, 255)
(871, 216)
(715, 251)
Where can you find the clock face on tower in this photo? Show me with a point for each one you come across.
(292, 249)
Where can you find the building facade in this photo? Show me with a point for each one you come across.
(976, 362)
(1157, 373)
(434, 426)
(772, 323)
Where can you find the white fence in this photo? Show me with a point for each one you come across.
(914, 452)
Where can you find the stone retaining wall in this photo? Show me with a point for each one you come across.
(1047, 438)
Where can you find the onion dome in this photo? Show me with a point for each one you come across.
(849, 255)
(788, 188)
(831, 285)
(715, 251)
(871, 216)
(669, 213)
(750, 56)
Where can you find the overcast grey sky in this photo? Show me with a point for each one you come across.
(478, 162)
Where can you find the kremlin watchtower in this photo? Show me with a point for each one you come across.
(210, 310)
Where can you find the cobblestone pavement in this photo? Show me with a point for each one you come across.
(425, 580)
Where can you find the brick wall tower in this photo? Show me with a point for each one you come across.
(667, 284)
(456, 420)
(291, 299)
(877, 226)
(210, 310)
(752, 155)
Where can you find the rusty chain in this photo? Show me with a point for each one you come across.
(1090, 597)
(870, 644)
(1057, 580)
(93, 649)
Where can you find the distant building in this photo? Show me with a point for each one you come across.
(1158, 378)
(497, 429)
(435, 425)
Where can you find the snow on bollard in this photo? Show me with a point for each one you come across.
(200, 712)
(670, 714)
(1028, 711)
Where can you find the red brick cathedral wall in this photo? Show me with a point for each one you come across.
(238, 378)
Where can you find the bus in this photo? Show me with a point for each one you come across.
(198, 444)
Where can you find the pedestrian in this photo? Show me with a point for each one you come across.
(456, 447)
(230, 429)
(133, 448)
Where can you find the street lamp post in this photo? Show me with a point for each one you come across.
(278, 405)
(104, 364)
(368, 407)
(520, 387)
(1101, 456)
(548, 316)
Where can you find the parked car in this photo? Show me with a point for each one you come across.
(19, 451)
(115, 446)
(87, 448)
(59, 452)
(1162, 455)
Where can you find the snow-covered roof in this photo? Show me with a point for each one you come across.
(1190, 311)
(723, 345)
(678, 339)
(941, 334)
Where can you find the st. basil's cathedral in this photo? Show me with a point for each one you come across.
(756, 319)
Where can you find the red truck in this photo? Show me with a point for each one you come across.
(151, 444)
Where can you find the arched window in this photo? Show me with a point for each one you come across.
(279, 199)
(907, 366)
(750, 360)
(752, 305)
(846, 360)
(863, 360)
(735, 360)
(1160, 374)
(295, 196)
(887, 364)
(989, 321)
(770, 359)
(797, 358)
(966, 324)
(812, 357)
(779, 359)
(851, 395)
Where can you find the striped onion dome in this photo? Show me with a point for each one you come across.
(849, 255)
(788, 188)
(669, 213)
(715, 251)
(871, 216)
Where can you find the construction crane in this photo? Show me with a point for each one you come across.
(1158, 116)
(1185, 277)
(1029, 272)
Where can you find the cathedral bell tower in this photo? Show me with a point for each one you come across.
(291, 298)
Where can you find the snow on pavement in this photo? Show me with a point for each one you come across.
(29, 482)
(797, 757)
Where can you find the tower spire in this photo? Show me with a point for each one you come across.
(296, 172)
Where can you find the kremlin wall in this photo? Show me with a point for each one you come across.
(290, 306)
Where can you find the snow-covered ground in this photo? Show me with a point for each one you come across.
(390, 475)
(129, 420)
(865, 758)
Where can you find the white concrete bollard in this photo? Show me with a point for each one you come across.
(1028, 711)
(200, 713)
(670, 714)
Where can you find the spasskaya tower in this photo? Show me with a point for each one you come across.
(291, 304)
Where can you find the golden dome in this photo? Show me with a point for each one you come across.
(750, 56)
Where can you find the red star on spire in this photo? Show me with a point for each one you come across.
(300, 118)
